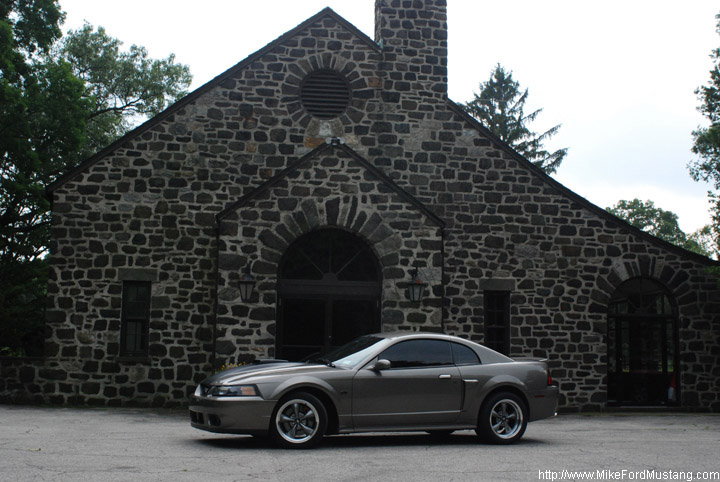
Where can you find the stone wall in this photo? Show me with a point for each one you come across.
(238, 170)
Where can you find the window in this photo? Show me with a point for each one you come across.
(642, 345)
(497, 321)
(330, 254)
(418, 354)
(329, 286)
(463, 355)
(135, 318)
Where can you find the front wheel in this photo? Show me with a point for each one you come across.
(300, 421)
(503, 419)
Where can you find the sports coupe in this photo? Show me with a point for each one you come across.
(380, 383)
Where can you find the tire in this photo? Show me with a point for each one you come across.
(503, 419)
(299, 421)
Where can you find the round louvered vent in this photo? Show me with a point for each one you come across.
(325, 94)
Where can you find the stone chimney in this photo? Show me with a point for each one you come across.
(413, 34)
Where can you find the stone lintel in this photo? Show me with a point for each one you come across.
(496, 284)
(138, 274)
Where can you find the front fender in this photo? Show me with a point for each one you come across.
(298, 383)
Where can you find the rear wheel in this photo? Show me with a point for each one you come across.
(503, 419)
(299, 421)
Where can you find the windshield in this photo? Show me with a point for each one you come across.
(350, 354)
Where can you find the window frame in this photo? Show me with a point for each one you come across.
(128, 316)
(455, 360)
(497, 320)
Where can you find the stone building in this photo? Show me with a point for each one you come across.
(327, 167)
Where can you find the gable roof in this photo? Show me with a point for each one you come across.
(150, 123)
(600, 212)
(317, 152)
(328, 12)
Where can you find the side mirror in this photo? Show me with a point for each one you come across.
(381, 364)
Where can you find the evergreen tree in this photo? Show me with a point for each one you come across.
(500, 106)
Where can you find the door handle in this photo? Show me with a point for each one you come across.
(445, 376)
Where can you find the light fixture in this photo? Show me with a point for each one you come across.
(247, 283)
(416, 288)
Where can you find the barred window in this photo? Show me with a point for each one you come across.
(135, 318)
(497, 321)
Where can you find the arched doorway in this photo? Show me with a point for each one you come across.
(329, 286)
(642, 345)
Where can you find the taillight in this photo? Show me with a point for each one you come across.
(549, 378)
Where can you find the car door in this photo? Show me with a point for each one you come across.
(422, 387)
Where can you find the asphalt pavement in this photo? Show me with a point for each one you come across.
(73, 444)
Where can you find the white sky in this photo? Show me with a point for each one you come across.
(619, 75)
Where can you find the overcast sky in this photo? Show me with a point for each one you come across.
(619, 75)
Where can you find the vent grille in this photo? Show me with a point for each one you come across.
(325, 94)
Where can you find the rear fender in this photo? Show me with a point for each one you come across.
(500, 383)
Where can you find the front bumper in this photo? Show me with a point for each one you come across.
(237, 415)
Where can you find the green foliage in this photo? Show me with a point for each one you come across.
(500, 106)
(22, 306)
(702, 242)
(42, 119)
(123, 86)
(662, 224)
(60, 101)
(707, 141)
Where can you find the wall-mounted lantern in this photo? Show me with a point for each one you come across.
(416, 288)
(246, 284)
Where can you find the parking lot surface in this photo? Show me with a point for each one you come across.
(62, 444)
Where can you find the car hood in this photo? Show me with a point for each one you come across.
(238, 375)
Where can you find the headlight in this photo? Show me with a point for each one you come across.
(233, 391)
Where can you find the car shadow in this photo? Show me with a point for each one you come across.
(420, 439)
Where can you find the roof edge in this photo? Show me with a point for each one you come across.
(382, 177)
(611, 218)
(172, 109)
(394, 186)
(272, 181)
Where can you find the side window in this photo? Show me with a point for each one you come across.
(135, 318)
(463, 355)
(497, 321)
(418, 353)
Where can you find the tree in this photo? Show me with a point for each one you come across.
(41, 124)
(500, 106)
(707, 141)
(59, 102)
(660, 223)
(703, 239)
(124, 86)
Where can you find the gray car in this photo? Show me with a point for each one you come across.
(379, 383)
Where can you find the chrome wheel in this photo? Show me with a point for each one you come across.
(503, 418)
(300, 421)
(506, 419)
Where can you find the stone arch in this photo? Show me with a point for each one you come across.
(623, 270)
(317, 128)
(337, 212)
